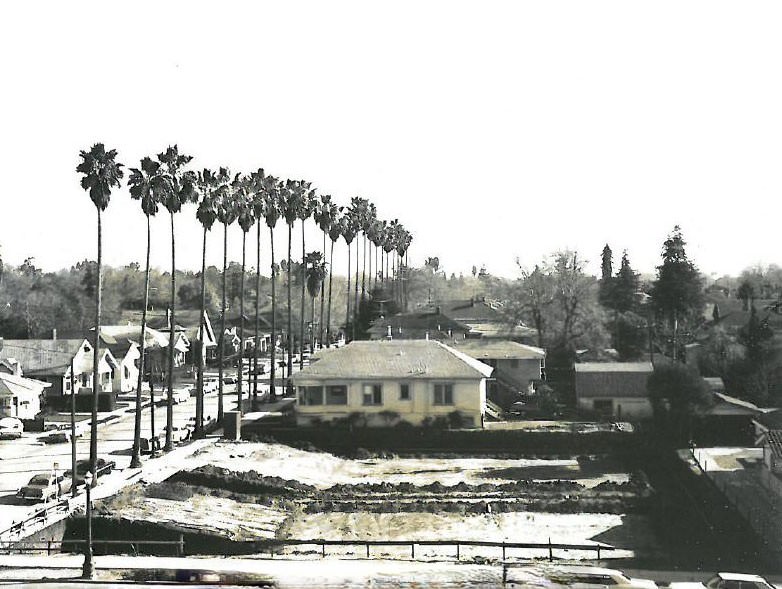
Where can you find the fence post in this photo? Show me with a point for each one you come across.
(550, 553)
(457, 551)
(181, 545)
(323, 550)
(503, 551)
(48, 548)
(598, 552)
(412, 550)
(367, 549)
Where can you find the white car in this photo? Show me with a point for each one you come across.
(728, 581)
(11, 428)
(581, 577)
(181, 395)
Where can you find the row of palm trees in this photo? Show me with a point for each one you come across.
(248, 199)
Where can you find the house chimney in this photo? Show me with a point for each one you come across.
(54, 333)
(168, 317)
(427, 336)
(437, 309)
(388, 334)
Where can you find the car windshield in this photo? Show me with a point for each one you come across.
(40, 479)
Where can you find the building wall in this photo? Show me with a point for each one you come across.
(518, 372)
(469, 397)
(126, 376)
(26, 407)
(620, 408)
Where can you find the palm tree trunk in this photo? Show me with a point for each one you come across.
(322, 298)
(199, 424)
(355, 307)
(290, 308)
(273, 369)
(347, 313)
(171, 335)
(73, 426)
(96, 357)
(328, 316)
(312, 332)
(135, 460)
(241, 327)
(364, 268)
(221, 339)
(257, 339)
(303, 310)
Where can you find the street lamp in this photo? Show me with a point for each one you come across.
(88, 568)
(56, 466)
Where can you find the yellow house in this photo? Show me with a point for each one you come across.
(389, 381)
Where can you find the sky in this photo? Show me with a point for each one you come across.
(494, 131)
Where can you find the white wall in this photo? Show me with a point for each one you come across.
(469, 397)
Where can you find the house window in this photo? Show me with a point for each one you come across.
(84, 381)
(443, 394)
(127, 372)
(373, 394)
(404, 392)
(310, 395)
(67, 384)
(337, 395)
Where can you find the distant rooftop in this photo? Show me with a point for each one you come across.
(498, 349)
(614, 367)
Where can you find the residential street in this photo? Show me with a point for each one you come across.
(21, 459)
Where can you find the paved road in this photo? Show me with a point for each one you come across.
(21, 459)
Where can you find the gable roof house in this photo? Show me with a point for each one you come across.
(614, 389)
(384, 381)
(124, 343)
(486, 319)
(50, 361)
(418, 326)
(186, 328)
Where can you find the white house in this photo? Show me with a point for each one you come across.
(20, 397)
(385, 381)
(124, 343)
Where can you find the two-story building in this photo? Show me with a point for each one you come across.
(408, 380)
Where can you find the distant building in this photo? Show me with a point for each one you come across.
(19, 397)
(421, 325)
(614, 389)
(51, 360)
(383, 381)
(124, 343)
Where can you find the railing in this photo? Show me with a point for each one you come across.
(39, 516)
(69, 545)
(549, 547)
(275, 547)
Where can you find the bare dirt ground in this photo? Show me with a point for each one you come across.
(328, 497)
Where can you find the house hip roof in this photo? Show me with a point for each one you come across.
(499, 349)
(396, 359)
(42, 357)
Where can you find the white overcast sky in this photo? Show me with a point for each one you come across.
(492, 130)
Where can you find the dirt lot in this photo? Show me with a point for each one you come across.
(274, 491)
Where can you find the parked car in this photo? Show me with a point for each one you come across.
(11, 428)
(571, 576)
(148, 445)
(728, 581)
(178, 434)
(102, 467)
(181, 395)
(60, 437)
(45, 487)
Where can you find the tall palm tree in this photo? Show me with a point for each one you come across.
(242, 193)
(101, 173)
(315, 271)
(206, 215)
(179, 190)
(348, 227)
(326, 215)
(258, 204)
(146, 185)
(272, 198)
(370, 216)
(358, 212)
(405, 240)
(335, 232)
(292, 197)
(306, 209)
(226, 214)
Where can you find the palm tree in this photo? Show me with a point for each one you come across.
(206, 215)
(358, 212)
(325, 216)
(370, 216)
(272, 200)
(292, 198)
(258, 204)
(335, 232)
(308, 203)
(406, 239)
(348, 227)
(242, 193)
(226, 214)
(315, 270)
(145, 185)
(101, 173)
(179, 189)
(373, 233)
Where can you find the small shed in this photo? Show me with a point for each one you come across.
(614, 390)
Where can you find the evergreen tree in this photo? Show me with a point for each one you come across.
(677, 293)
(605, 292)
(625, 287)
(756, 337)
